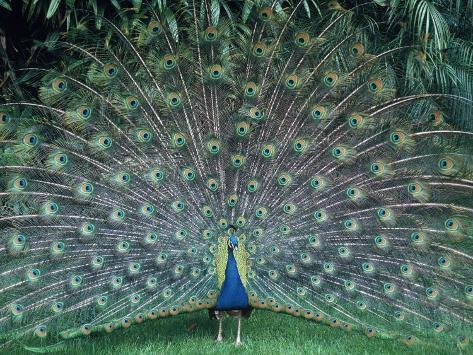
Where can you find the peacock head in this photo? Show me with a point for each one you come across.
(232, 238)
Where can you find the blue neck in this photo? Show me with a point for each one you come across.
(232, 295)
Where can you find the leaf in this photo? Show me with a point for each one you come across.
(246, 10)
(5, 4)
(307, 9)
(116, 4)
(137, 5)
(227, 11)
(202, 11)
(215, 12)
(426, 18)
(160, 6)
(94, 5)
(172, 23)
(51, 40)
(53, 6)
(381, 2)
(99, 18)
(68, 20)
(31, 9)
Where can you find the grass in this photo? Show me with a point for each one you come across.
(262, 333)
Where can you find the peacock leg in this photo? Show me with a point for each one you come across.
(238, 341)
(219, 336)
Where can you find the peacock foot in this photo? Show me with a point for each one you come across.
(238, 343)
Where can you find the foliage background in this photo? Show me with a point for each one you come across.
(439, 31)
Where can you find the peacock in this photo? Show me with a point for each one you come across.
(231, 157)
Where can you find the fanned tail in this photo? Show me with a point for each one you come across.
(351, 192)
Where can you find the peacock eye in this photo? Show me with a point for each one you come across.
(291, 82)
(110, 70)
(59, 85)
(446, 164)
(104, 142)
(86, 112)
(4, 117)
(210, 34)
(302, 39)
(265, 13)
(30, 140)
(155, 27)
(216, 72)
(330, 79)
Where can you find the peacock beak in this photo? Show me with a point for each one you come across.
(233, 242)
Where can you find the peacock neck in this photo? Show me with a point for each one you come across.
(233, 295)
(231, 262)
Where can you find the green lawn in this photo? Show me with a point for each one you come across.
(263, 333)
